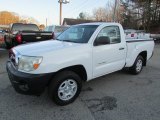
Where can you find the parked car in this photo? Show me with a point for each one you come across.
(56, 29)
(25, 33)
(156, 37)
(2, 33)
(81, 53)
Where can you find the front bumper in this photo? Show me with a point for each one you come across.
(28, 84)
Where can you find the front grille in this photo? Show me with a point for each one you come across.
(12, 57)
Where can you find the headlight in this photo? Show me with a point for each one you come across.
(27, 63)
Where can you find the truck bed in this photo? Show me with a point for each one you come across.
(135, 46)
(139, 40)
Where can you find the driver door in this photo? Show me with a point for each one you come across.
(109, 57)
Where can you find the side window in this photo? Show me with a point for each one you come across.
(112, 33)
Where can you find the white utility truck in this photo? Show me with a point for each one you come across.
(81, 53)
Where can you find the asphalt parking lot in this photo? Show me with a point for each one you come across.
(118, 96)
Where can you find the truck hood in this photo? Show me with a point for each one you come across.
(41, 48)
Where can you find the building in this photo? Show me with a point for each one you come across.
(70, 21)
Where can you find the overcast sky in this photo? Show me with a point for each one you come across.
(42, 9)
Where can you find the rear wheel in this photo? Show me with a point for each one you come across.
(8, 46)
(65, 87)
(138, 65)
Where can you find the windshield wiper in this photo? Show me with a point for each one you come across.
(69, 41)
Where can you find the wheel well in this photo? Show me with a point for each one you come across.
(144, 55)
(78, 69)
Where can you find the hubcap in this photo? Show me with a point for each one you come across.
(139, 65)
(67, 89)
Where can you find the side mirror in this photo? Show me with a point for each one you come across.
(102, 41)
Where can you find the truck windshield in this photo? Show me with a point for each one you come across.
(60, 29)
(24, 27)
(78, 34)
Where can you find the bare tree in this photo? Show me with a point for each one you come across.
(8, 17)
(42, 27)
(11, 17)
(100, 14)
(106, 13)
(84, 15)
(26, 19)
(146, 13)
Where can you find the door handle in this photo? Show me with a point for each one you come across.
(121, 48)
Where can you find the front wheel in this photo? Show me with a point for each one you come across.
(65, 87)
(137, 66)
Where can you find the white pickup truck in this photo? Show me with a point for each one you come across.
(81, 53)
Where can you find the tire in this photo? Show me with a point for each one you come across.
(137, 66)
(14, 43)
(65, 87)
(8, 46)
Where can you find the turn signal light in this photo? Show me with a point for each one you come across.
(35, 66)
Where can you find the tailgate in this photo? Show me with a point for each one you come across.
(36, 36)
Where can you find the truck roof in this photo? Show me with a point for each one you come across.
(100, 23)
